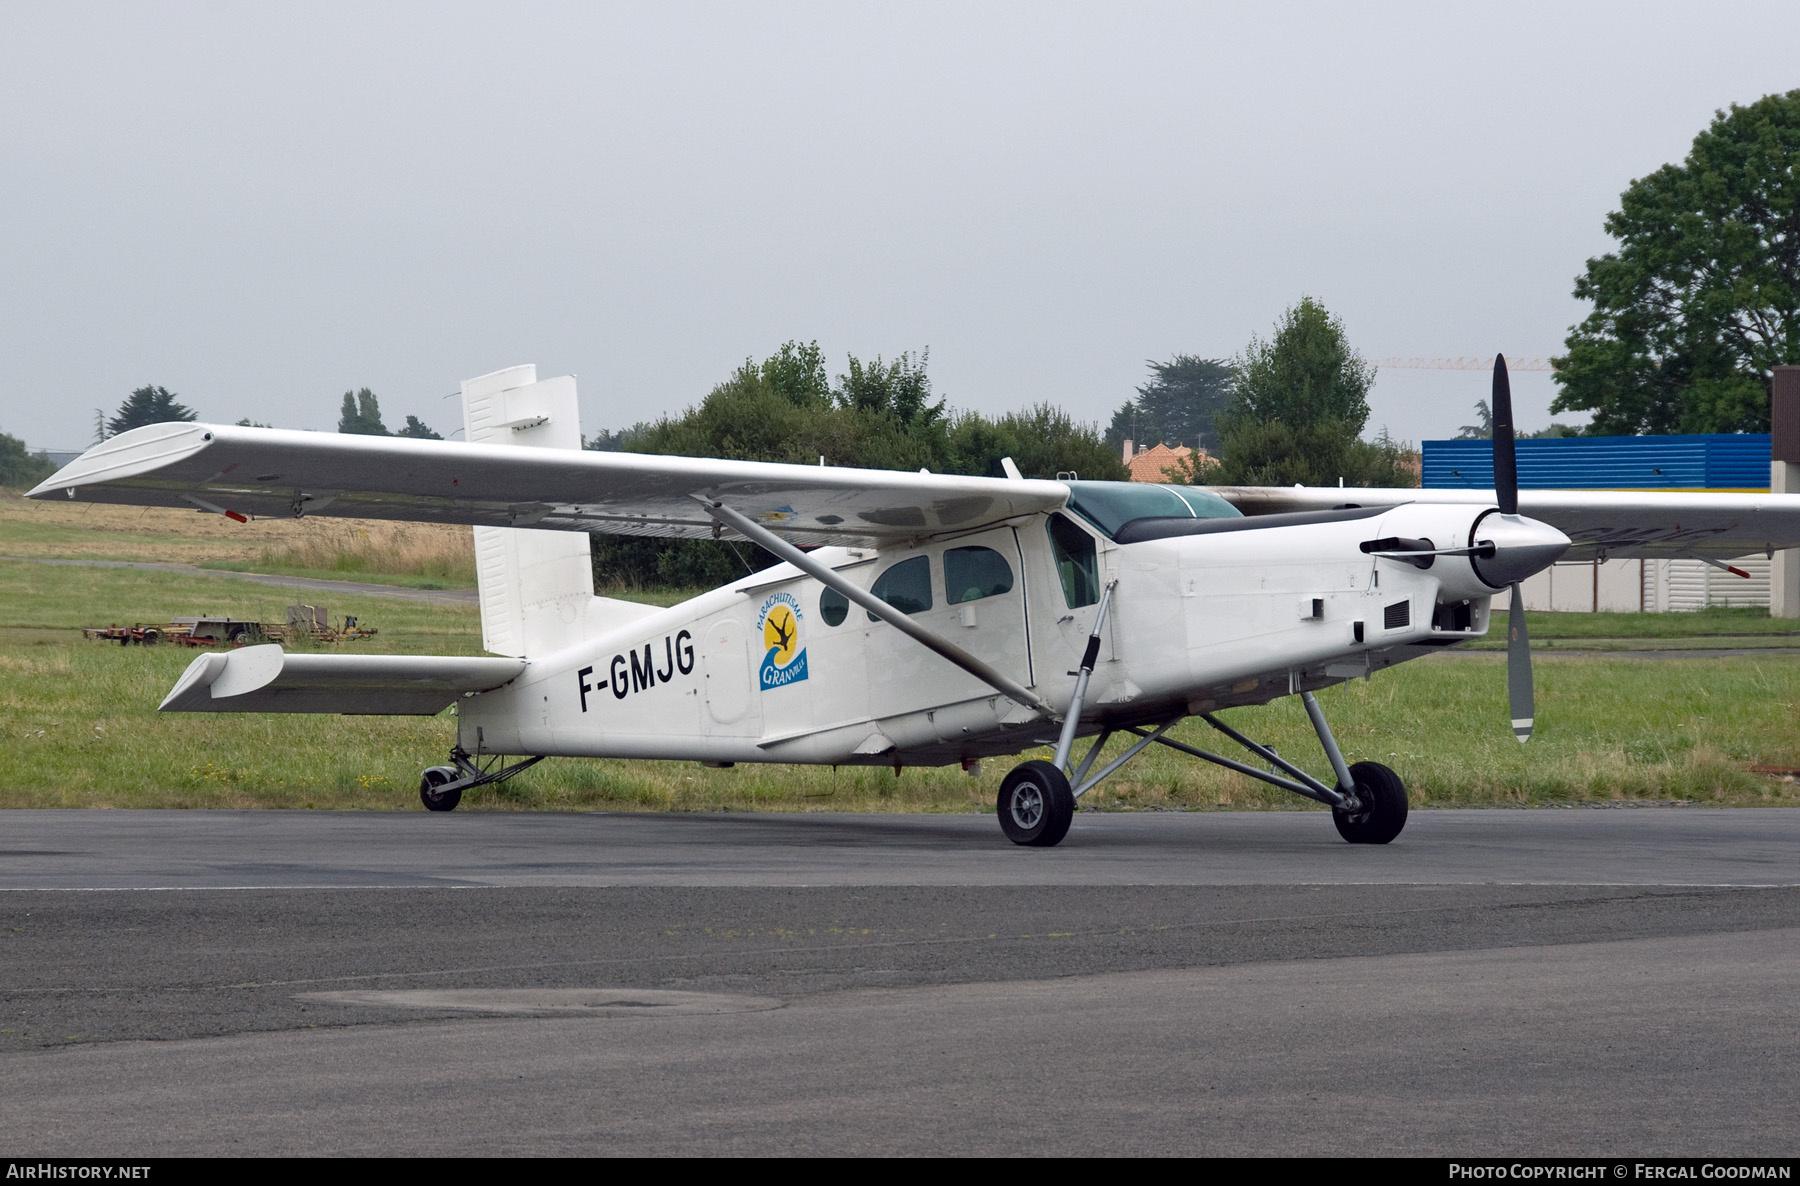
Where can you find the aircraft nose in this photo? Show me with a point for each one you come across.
(1521, 547)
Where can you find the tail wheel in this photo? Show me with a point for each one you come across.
(1383, 811)
(432, 792)
(1035, 805)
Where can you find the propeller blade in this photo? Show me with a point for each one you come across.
(1506, 465)
(1518, 668)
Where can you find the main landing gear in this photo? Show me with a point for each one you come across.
(441, 787)
(1037, 800)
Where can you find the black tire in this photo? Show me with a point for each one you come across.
(431, 794)
(1383, 811)
(152, 637)
(1035, 805)
(238, 636)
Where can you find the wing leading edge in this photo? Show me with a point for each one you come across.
(268, 473)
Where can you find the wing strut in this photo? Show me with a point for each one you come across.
(754, 531)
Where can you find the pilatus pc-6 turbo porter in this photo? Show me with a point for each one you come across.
(916, 619)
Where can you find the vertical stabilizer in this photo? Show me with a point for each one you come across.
(537, 587)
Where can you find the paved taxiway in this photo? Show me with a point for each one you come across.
(1499, 982)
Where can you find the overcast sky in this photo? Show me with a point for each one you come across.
(259, 208)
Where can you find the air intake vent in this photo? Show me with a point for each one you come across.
(1397, 615)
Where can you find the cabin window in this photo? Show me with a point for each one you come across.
(1076, 563)
(973, 573)
(833, 606)
(906, 586)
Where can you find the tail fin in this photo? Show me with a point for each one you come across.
(537, 587)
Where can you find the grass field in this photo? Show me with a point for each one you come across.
(80, 720)
(427, 555)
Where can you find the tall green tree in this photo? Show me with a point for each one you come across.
(19, 467)
(1043, 441)
(147, 405)
(900, 389)
(361, 414)
(418, 430)
(1178, 406)
(880, 415)
(1299, 406)
(1702, 298)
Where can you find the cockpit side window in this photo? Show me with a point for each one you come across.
(906, 586)
(1076, 562)
(971, 574)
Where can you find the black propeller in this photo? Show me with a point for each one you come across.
(1506, 463)
(1519, 695)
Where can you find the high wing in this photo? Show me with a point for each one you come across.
(1602, 523)
(267, 473)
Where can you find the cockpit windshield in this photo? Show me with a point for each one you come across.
(1111, 505)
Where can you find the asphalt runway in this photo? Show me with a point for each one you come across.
(1586, 982)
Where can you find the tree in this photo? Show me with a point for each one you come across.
(416, 429)
(1702, 299)
(1043, 441)
(611, 441)
(147, 405)
(19, 466)
(1178, 406)
(900, 389)
(1483, 431)
(1299, 405)
(362, 415)
(881, 415)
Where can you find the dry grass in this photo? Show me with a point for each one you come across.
(369, 547)
(366, 548)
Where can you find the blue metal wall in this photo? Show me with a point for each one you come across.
(1714, 461)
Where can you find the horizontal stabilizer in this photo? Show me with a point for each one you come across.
(268, 679)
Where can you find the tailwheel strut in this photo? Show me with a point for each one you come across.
(441, 787)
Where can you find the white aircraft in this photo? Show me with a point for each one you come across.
(917, 619)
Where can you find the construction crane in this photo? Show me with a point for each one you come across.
(1484, 363)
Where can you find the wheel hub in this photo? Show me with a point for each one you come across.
(1027, 806)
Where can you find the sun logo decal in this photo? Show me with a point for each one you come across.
(784, 653)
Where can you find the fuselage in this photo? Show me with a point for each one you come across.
(780, 668)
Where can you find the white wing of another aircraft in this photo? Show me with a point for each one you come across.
(1600, 523)
(266, 473)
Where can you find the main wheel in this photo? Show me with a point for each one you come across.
(1035, 805)
(1383, 810)
(431, 792)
